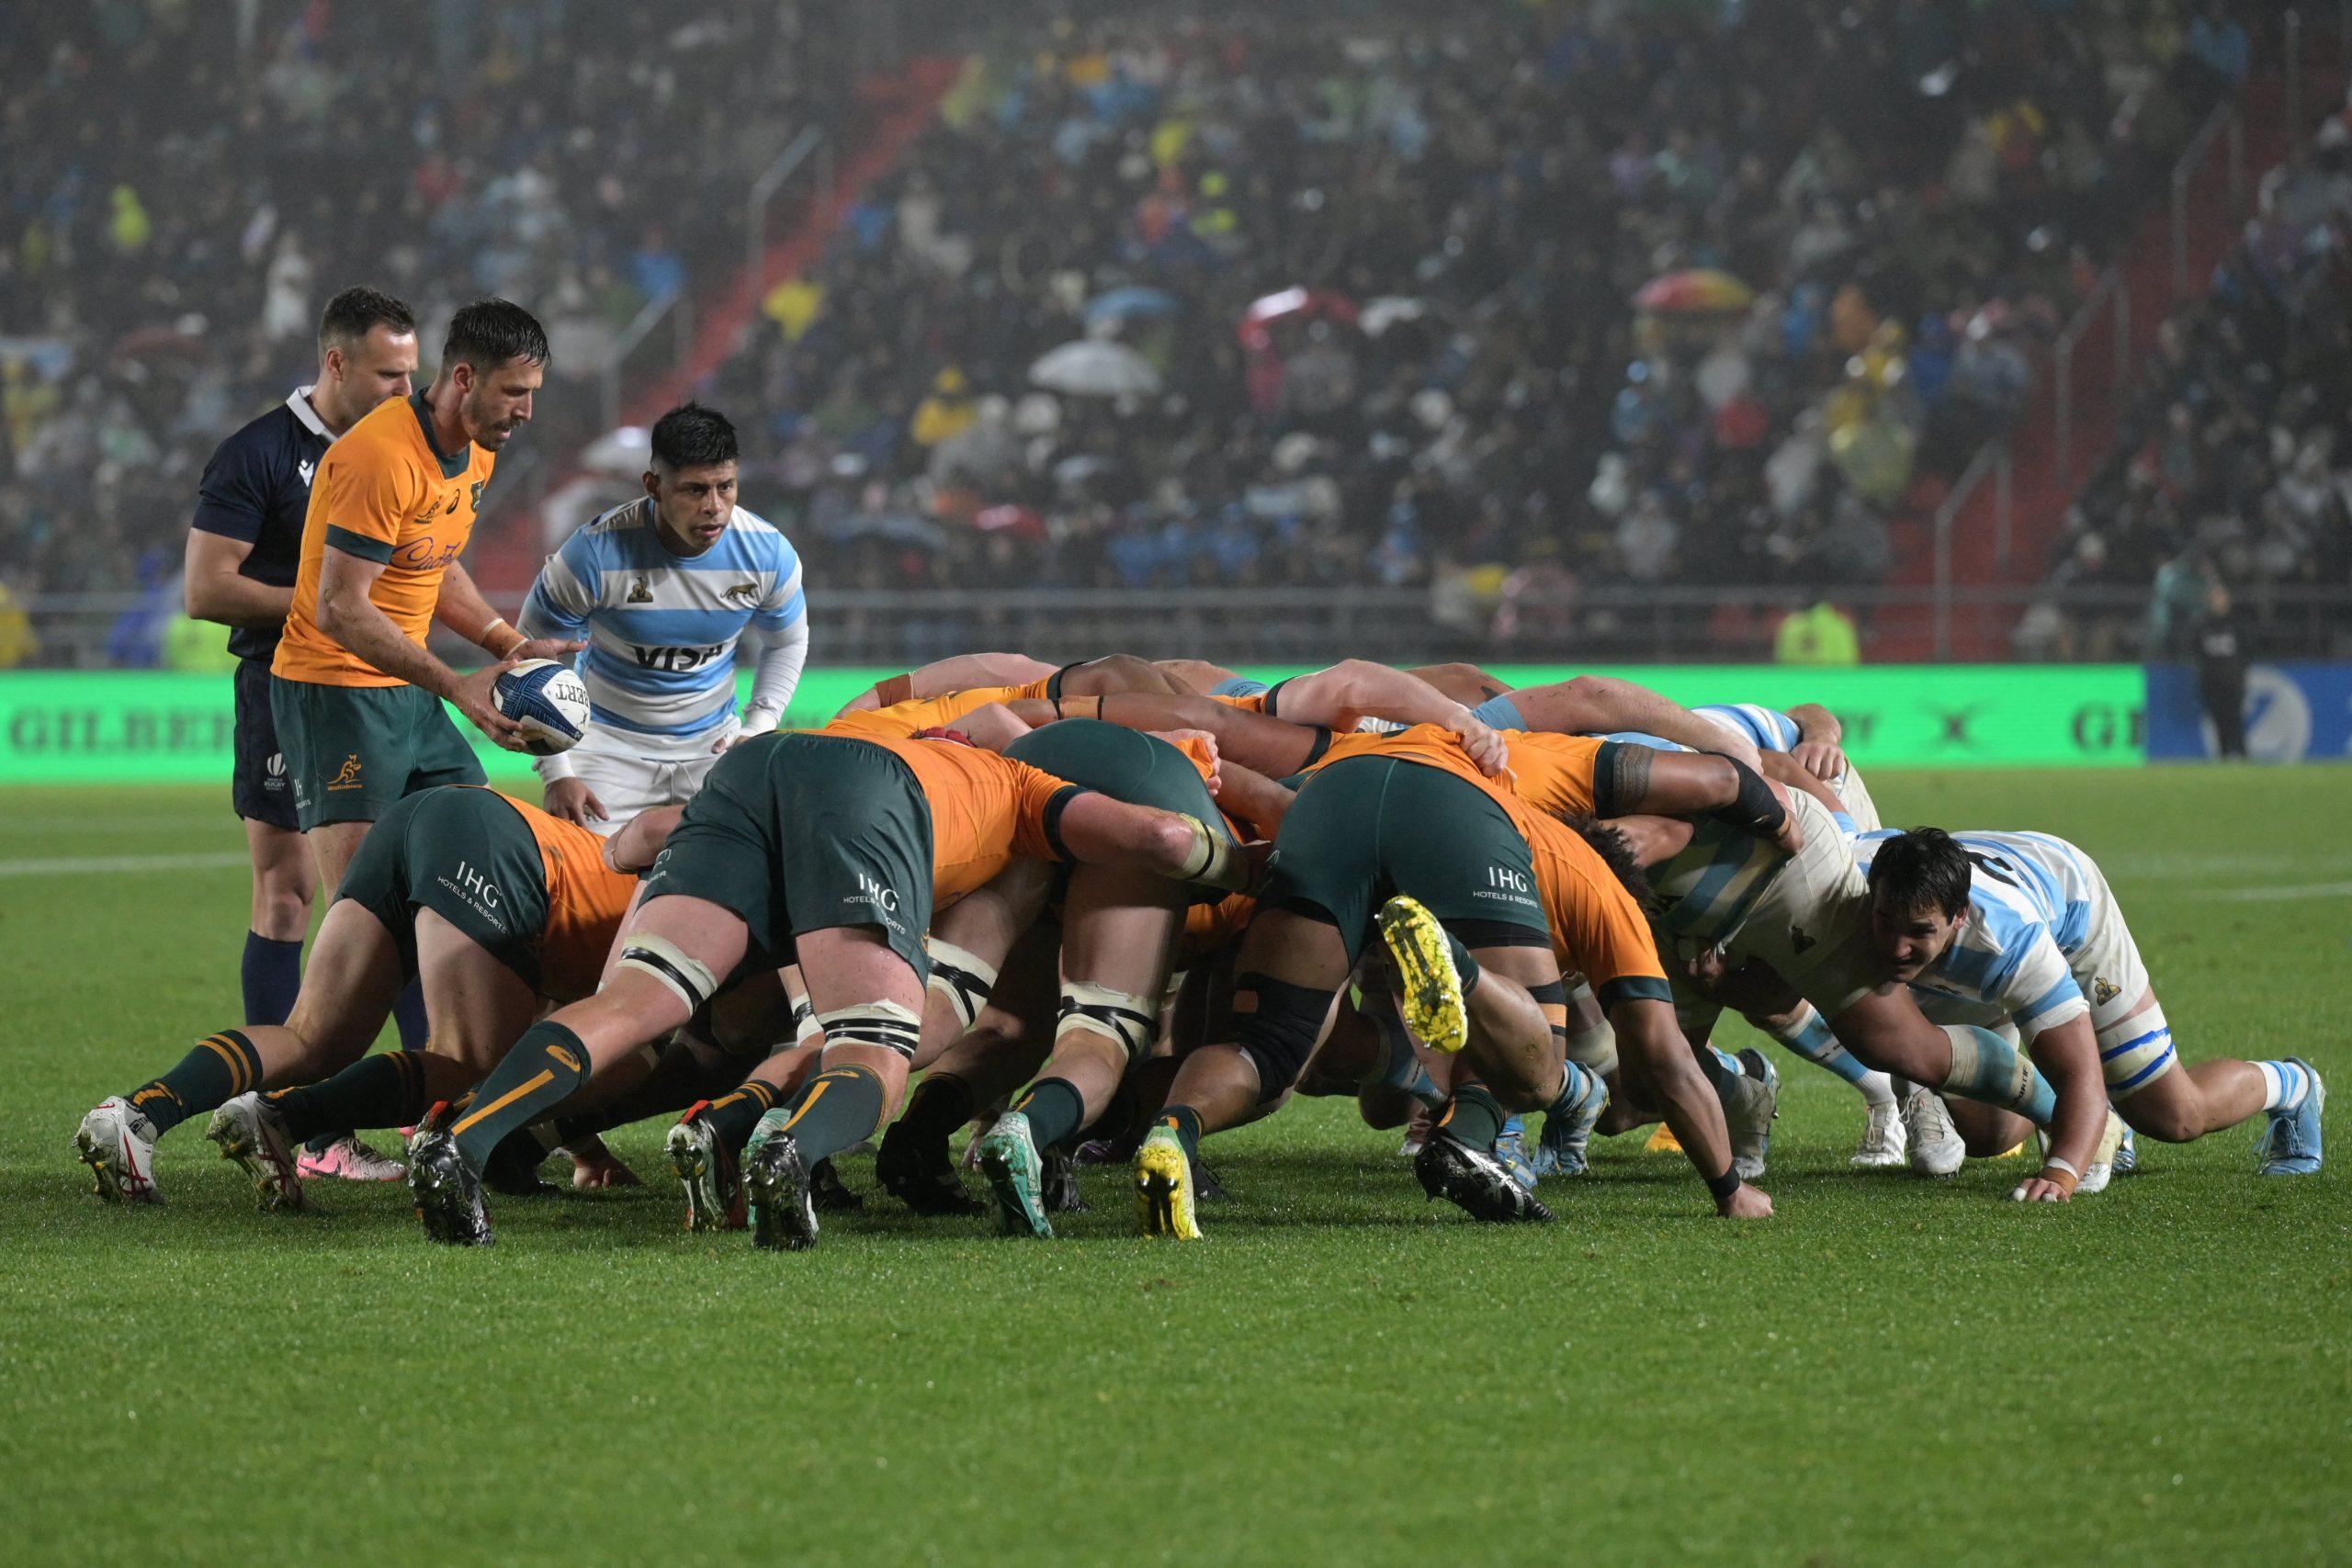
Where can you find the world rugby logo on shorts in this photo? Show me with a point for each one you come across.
(275, 766)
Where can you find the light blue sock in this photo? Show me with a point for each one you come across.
(1987, 1067)
(1575, 1084)
(2284, 1083)
(1722, 1069)
(1810, 1037)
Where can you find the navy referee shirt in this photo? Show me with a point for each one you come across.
(257, 489)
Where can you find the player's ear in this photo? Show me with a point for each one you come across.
(654, 484)
(332, 365)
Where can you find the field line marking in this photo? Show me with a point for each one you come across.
(2281, 895)
(83, 865)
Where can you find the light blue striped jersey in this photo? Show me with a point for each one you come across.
(1769, 728)
(661, 628)
(2029, 898)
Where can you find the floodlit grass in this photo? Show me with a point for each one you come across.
(1889, 1372)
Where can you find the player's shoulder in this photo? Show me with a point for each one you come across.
(615, 525)
(389, 433)
(748, 532)
(289, 431)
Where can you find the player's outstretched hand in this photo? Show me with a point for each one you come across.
(1822, 758)
(1746, 1204)
(2039, 1189)
(593, 1166)
(472, 696)
(545, 648)
(572, 800)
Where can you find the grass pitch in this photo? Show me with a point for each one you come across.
(1890, 1372)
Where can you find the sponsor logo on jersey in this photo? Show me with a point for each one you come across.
(476, 488)
(427, 554)
(676, 659)
(303, 468)
(481, 894)
(347, 776)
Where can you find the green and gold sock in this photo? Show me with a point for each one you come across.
(731, 1117)
(221, 1067)
(1055, 1111)
(1187, 1124)
(839, 1107)
(1476, 1117)
(538, 1074)
(386, 1090)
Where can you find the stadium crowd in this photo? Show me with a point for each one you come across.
(161, 272)
(2233, 462)
(1380, 298)
(1370, 297)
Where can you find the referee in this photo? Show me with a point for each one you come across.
(243, 548)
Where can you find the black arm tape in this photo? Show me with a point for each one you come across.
(1605, 803)
(1273, 694)
(1280, 1032)
(1315, 752)
(1551, 993)
(1723, 1186)
(1756, 810)
(1054, 809)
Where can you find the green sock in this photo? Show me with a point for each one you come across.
(837, 1107)
(221, 1067)
(1476, 1117)
(731, 1117)
(1187, 1123)
(386, 1090)
(1404, 1070)
(1055, 1111)
(538, 1074)
(1463, 965)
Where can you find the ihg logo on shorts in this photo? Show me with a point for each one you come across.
(1506, 884)
(471, 884)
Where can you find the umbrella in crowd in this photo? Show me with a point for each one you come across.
(1091, 368)
(1698, 290)
(1123, 304)
(1293, 304)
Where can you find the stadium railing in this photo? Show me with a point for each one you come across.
(1287, 626)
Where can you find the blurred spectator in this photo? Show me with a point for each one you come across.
(1819, 634)
(182, 186)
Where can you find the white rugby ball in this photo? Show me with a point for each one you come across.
(547, 700)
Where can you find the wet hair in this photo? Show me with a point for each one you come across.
(1617, 854)
(692, 437)
(1923, 869)
(351, 315)
(487, 333)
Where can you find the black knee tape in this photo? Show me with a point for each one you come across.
(1279, 1032)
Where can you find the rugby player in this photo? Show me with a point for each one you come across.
(2023, 929)
(832, 851)
(1748, 924)
(244, 547)
(496, 905)
(1410, 819)
(1801, 1029)
(661, 588)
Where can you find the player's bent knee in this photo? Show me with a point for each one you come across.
(961, 979)
(1276, 1025)
(1128, 1021)
(2135, 1051)
(883, 1025)
(680, 972)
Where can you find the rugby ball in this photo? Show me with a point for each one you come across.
(548, 701)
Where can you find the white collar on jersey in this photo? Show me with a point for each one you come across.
(298, 400)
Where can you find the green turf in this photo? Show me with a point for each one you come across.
(1889, 1372)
